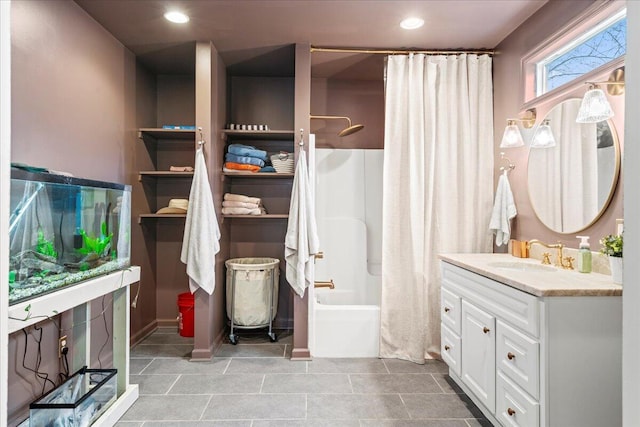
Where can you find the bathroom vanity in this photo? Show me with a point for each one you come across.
(533, 345)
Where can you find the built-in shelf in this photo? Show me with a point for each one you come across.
(259, 175)
(258, 134)
(149, 216)
(265, 216)
(163, 174)
(159, 133)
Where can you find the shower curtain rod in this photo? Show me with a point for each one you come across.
(400, 51)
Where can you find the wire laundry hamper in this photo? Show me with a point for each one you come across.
(252, 294)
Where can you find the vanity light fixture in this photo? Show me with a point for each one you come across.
(543, 137)
(595, 107)
(176, 17)
(412, 23)
(512, 137)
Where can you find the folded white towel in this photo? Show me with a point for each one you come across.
(235, 204)
(200, 243)
(504, 209)
(243, 211)
(301, 241)
(242, 198)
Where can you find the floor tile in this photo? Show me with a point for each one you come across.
(251, 350)
(397, 366)
(260, 337)
(153, 384)
(164, 350)
(170, 408)
(168, 339)
(447, 384)
(216, 423)
(394, 383)
(218, 384)
(347, 366)
(306, 423)
(137, 365)
(265, 365)
(256, 406)
(480, 422)
(306, 383)
(129, 424)
(412, 423)
(422, 406)
(165, 330)
(355, 406)
(184, 366)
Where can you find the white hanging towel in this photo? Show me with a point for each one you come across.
(301, 241)
(201, 238)
(504, 209)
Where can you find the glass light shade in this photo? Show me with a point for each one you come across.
(595, 107)
(543, 137)
(512, 137)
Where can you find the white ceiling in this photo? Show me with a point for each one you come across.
(244, 29)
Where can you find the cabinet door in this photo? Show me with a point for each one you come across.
(479, 353)
(450, 315)
(450, 348)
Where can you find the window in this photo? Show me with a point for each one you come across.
(605, 43)
(588, 45)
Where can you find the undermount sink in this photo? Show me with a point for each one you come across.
(520, 266)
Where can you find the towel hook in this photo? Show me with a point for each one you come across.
(509, 166)
(301, 143)
(201, 142)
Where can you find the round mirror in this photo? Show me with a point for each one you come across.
(571, 183)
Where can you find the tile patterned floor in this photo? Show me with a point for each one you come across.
(254, 384)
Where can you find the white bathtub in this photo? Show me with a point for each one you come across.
(344, 328)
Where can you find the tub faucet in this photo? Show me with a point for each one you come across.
(328, 284)
(560, 262)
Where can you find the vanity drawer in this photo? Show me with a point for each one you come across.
(518, 357)
(450, 348)
(513, 407)
(450, 314)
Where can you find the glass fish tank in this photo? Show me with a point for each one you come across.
(64, 230)
(77, 402)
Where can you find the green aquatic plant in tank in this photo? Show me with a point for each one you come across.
(96, 245)
(44, 246)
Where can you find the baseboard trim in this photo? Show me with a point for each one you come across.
(301, 354)
(143, 333)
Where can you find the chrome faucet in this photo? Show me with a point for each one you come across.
(560, 261)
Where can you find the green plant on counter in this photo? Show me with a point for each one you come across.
(612, 245)
(98, 245)
(44, 246)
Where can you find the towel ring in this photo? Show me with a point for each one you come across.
(509, 166)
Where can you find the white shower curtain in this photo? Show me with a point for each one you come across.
(437, 188)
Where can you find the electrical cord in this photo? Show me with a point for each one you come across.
(106, 329)
(39, 375)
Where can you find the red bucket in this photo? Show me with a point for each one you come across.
(185, 314)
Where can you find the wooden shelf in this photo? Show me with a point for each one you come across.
(258, 134)
(142, 217)
(258, 175)
(266, 216)
(159, 133)
(163, 174)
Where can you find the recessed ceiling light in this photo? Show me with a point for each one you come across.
(412, 23)
(177, 17)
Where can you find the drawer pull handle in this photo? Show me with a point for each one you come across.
(447, 309)
(446, 347)
(511, 356)
(486, 330)
(511, 412)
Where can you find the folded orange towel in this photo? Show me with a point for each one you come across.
(241, 167)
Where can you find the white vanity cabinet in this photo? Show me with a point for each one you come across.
(545, 357)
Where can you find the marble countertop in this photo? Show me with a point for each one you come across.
(549, 282)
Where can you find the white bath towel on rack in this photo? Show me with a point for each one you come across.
(301, 241)
(504, 210)
(200, 243)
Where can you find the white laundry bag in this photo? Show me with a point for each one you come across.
(250, 293)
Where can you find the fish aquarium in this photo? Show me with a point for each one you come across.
(78, 401)
(64, 230)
